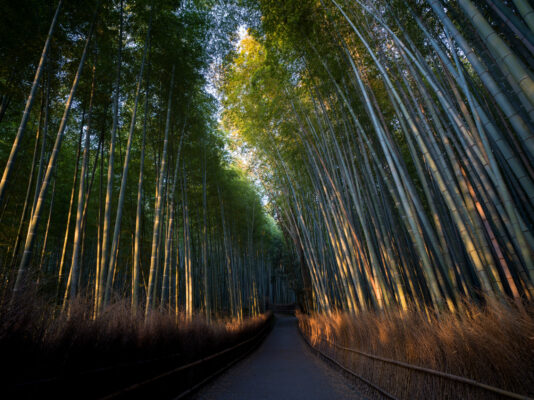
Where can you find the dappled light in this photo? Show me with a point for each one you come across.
(175, 172)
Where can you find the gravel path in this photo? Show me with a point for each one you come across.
(283, 367)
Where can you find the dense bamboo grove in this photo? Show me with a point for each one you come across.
(393, 141)
(170, 167)
(396, 142)
(116, 178)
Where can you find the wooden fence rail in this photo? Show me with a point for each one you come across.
(443, 375)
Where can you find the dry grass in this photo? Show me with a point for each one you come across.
(493, 345)
(37, 344)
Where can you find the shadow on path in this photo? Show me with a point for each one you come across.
(282, 368)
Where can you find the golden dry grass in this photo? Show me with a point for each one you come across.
(493, 344)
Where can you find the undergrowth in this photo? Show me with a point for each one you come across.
(493, 344)
(38, 342)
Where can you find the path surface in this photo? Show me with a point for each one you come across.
(283, 367)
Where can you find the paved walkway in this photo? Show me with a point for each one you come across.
(283, 367)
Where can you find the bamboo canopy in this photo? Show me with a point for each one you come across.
(388, 154)
(401, 145)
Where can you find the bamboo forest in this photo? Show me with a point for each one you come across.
(241, 199)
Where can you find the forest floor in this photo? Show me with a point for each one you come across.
(282, 368)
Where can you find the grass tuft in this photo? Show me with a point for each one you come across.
(493, 345)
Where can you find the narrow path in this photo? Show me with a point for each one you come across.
(282, 368)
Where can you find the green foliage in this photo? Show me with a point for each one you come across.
(189, 36)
